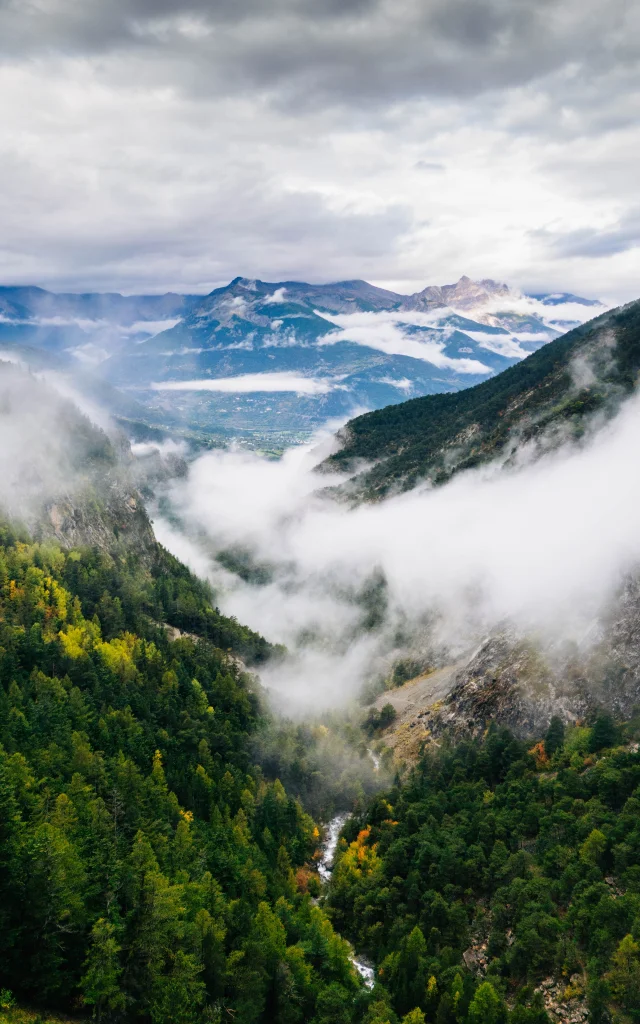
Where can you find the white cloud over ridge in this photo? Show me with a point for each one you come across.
(504, 344)
(527, 305)
(379, 332)
(402, 383)
(543, 547)
(390, 331)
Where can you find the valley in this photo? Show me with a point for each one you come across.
(323, 774)
(319, 491)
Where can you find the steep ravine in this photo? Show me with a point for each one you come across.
(363, 966)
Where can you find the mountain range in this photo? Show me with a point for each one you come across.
(278, 359)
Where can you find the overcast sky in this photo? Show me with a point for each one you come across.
(154, 144)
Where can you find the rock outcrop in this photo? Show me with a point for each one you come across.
(521, 682)
(464, 294)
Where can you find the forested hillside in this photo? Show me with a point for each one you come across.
(501, 876)
(549, 394)
(148, 871)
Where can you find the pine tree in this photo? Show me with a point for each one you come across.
(555, 736)
(179, 994)
(10, 829)
(624, 976)
(487, 1007)
(414, 1017)
(603, 734)
(410, 982)
(100, 984)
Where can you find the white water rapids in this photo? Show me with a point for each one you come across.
(330, 845)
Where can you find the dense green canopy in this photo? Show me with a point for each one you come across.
(495, 867)
(147, 869)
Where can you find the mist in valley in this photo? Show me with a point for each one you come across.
(357, 593)
(540, 548)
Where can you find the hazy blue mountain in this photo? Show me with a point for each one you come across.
(34, 303)
(84, 328)
(342, 347)
(558, 298)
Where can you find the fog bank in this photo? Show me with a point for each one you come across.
(542, 547)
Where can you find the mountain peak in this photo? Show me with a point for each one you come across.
(464, 294)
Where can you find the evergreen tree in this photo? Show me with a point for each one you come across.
(624, 976)
(603, 733)
(598, 995)
(555, 736)
(134, 875)
(101, 982)
(487, 1007)
(179, 993)
(410, 972)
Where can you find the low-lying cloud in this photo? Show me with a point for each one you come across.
(504, 344)
(402, 383)
(248, 382)
(376, 331)
(547, 312)
(543, 547)
(424, 334)
(89, 326)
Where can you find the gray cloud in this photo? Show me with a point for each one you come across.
(147, 144)
(182, 233)
(306, 53)
(593, 243)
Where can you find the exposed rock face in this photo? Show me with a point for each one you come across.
(464, 294)
(115, 518)
(614, 667)
(520, 682)
(565, 1003)
(510, 681)
(245, 298)
(564, 998)
(258, 301)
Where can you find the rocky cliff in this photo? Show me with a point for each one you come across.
(521, 681)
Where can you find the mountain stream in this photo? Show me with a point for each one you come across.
(363, 966)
